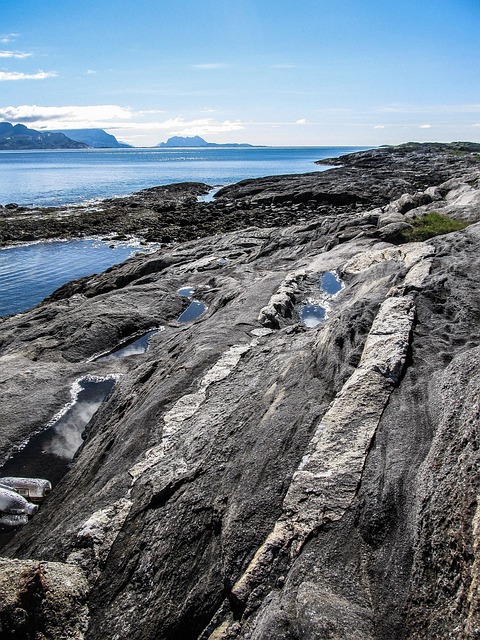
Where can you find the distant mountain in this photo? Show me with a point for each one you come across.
(196, 141)
(18, 137)
(97, 138)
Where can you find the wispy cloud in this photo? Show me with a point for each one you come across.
(90, 72)
(301, 121)
(284, 65)
(439, 108)
(210, 65)
(335, 110)
(5, 38)
(15, 75)
(379, 126)
(204, 127)
(425, 126)
(15, 54)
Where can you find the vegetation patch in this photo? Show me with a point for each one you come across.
(432, 224)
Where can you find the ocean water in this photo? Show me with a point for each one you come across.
(29, 273)
(52, 178)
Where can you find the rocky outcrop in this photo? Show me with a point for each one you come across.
(363, 184)
(42, 600)
(250, 477)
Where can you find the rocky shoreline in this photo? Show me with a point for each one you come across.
(363, 181)
(250, 476)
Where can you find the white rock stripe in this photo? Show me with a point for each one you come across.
(187, 406)
(325, 483)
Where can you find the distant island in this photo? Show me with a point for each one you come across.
(18, 137)
(197, 141)
(96, 138)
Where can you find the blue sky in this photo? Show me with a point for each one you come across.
(284, 72)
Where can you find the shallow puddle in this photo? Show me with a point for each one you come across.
(330, 283)
(192, 312)
(131, 348)
(312, 315)
(186, 292)
(48, 454)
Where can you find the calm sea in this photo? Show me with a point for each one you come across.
(60, 177)
(29, 273)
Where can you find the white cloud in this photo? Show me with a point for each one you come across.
(301, 121)
(149, 112)
(90, 72)
(112, 117)
(205, 126)
(425, 126)
(14, 54)
(379, 126)
(15, 75)
(286, 65)
(210, 65)
(68, 117)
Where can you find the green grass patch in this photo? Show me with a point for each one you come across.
(432, 224)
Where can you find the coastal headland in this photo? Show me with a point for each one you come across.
(253, 475)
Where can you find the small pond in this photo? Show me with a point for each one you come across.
(312, 315)
(186, 292)
(330, 283)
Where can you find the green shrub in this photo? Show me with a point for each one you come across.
(432, 224)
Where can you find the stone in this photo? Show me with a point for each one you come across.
(42, 599)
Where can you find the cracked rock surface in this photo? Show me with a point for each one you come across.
(249, 477)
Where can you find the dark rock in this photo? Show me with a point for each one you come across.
(394, 231)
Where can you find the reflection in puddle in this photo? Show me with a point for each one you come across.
(312, 315)
(186, 292)
(192, 312)
(131, 348)
(48, 454)
(330, 283)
